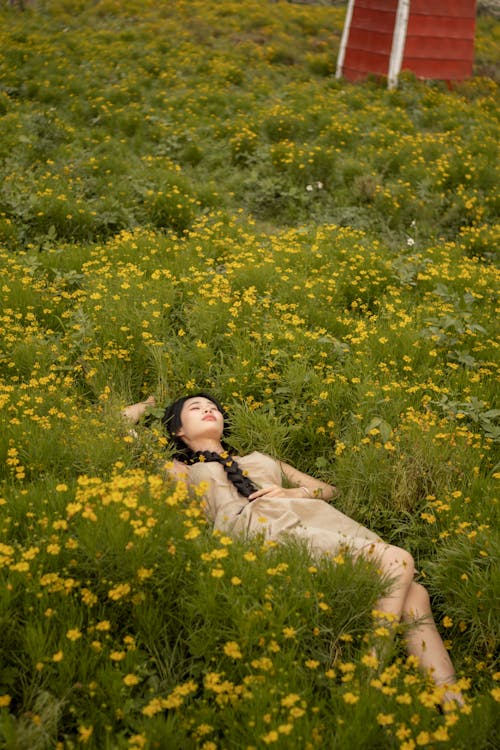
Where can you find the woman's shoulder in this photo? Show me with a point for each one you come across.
(176, 469)
(256, 456)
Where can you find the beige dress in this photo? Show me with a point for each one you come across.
(323, 527)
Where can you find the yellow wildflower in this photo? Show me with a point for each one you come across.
(130, 679)
(232, 650)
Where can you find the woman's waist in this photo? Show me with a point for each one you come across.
(230, 508)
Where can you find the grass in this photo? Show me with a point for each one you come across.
(190, 200)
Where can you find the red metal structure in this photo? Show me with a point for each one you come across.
(432, 38)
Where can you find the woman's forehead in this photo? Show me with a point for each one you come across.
(198, 400)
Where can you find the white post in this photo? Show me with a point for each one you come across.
(398, 43)
(345, 37)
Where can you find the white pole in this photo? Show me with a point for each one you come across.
(398, 43)
(345, 37)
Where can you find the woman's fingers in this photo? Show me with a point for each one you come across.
(272, 491)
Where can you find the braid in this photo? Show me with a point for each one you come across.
(243, 484)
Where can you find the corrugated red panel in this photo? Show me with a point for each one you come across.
(372, 20)
(450, 8)
(439, 38)
(370, 38)
(436, 47)
(363, 40)
(365, 62)
(454, 28)
(383, 5)
(354, 75)
(445, 70)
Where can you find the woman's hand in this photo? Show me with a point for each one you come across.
(134, 412)
(275, 490)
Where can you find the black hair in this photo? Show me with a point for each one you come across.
(172, 422)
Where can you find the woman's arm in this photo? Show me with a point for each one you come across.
(305, 486)
(134, 412)
(313, 486)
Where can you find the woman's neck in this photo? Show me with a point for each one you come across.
(213, 446)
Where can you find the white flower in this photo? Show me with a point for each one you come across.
(410, 241)
(309, 188)
(319, 185)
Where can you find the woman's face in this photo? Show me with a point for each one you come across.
(200, 419)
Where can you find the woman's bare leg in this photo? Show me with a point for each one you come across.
(398, 565)
(424, 642)
(409, 602)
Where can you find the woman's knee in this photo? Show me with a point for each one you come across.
(418, 602)
(396, 560)
(393, 562)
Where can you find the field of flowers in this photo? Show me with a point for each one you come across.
(189, 199)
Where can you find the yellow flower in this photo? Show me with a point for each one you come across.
(88, 597)
(441, 734)
(137, 741)
(385, 719)
(203, 729)
(144, 573)
(217, 572)
(447, 622)
(270, 737)
(350, 698)
(370, 660)
(235, 581)
(103, 625)
(119, 591)
(232, 649)
(74, 634)
(263, 663)
(20, 567)
(58, 656)
(117, 655)
(290, 700)
(423, 738)
(153, 707)
(312, 664)
(130, 679)
(404, 699)
(5, 700)
(85, 733)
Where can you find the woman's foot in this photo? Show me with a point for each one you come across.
(451, 700)
(134, 412)
(452, 697)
